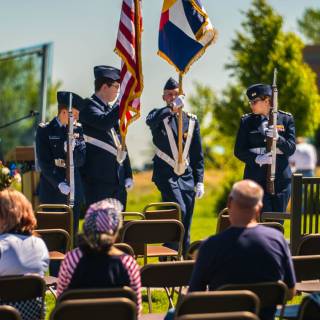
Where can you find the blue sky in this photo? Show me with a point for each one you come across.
(84, 34)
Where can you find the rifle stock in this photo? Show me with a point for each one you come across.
(272, 141)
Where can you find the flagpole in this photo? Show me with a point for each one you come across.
(180, 123)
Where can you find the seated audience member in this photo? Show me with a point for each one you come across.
(96, 263)
(21, 252)
(246, 252)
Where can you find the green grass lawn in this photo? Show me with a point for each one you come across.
(203, 224)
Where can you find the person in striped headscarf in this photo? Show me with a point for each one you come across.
(96, 263)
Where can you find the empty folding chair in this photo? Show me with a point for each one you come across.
(306, 267)
(55, 216)
(166, 275)
(218, 301)
(95, 309)
(162, 210)
(309, 245)
(244, 315)
(98, 293)
(57, 241)
(144, 232)
(270, 294)
(307, 270)
(128, 216)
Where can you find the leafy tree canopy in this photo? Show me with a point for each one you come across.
(19, 93)
(309, 25)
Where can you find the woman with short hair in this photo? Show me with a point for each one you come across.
(21, 252)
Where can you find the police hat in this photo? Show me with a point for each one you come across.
(259, 90)
(64, 96)
(171, 84)
(106, 72)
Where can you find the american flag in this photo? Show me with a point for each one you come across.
(128, 47)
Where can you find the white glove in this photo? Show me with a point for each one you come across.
(73, 145)
(178, 102)
(199, 190)
(64, 188)
(269, 133)
(128, 183)
(262, 159)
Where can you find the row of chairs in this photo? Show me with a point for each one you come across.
(175, 274)
(230, 302)
(158, 223)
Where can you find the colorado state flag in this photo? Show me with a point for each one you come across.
(185, 32)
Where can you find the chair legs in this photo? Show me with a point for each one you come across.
(149, 299)
(170, 296)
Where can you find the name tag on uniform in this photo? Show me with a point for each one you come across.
(54, 138)
(280, 127)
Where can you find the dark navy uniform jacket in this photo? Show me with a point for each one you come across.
(97, 120)
(50, 139)
(161, 170)
(252, 135)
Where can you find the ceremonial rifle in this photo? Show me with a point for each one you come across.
(70, 162)
(272, 141)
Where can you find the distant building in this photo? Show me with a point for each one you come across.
(311, 55)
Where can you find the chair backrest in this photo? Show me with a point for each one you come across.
(99, 293)
(275, 225)
(128, 216)
(55, 216)
(305, 208)
(152, 232)
(55, 239)
(309, 245)
(94, 309)
(310, 308)
(218, 301)
(126, 248)
(162, 210)
(306, 267)
(9, 313)
(269, 293)
(132, 215)
(193, 249)
(167, 274)
(223, 221)
(238, 315)
(16, 290)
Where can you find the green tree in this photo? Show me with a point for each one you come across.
(19, 93)
(257, 49)
(309, 25)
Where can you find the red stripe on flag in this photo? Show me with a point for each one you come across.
(128, 47)
(164, 19)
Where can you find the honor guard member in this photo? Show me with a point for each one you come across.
(104, 174)
(51, 148)
(250, 147)
(184, 186)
